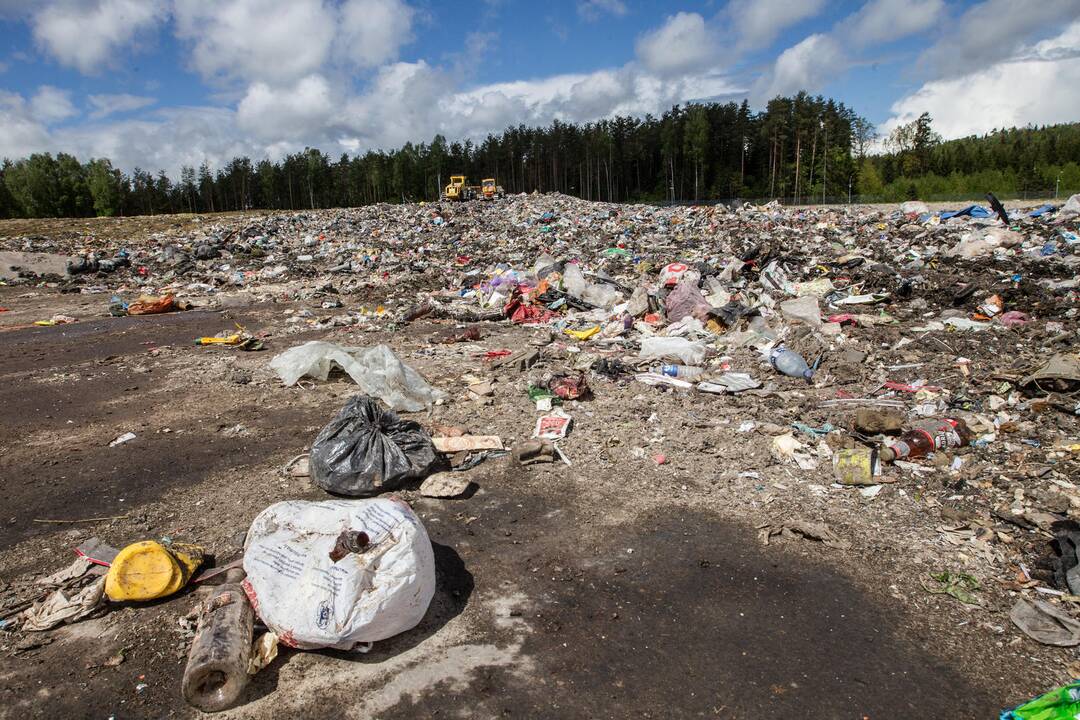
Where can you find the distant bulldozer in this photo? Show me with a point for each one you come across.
(459, 190)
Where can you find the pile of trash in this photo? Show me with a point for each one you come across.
(764, 302)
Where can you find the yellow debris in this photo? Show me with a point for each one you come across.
(583, 334)
(148, 570)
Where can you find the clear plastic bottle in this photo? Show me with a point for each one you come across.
(683, 372)
(927, 437)
(790, 363)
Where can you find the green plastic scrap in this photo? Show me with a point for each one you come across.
(813, 431)
(1060, 704)
(539, 393)
(957, 585)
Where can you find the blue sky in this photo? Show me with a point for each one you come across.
(161, 83)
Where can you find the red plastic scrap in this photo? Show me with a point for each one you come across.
(902, 387)
(569, 387)
(520, 310)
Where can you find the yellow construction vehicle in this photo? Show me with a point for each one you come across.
(489, 190)
(458, 190)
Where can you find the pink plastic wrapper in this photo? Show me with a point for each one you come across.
(1014, 319)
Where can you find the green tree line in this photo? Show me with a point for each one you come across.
(1017, 162)
(798, 149)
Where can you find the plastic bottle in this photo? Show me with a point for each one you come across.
(926, 437)
(789, 363)
(217, 667)
(683, 372)
(672, 348)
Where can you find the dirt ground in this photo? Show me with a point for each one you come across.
(609, 587)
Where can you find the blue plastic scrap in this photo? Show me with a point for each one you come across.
(975, 211)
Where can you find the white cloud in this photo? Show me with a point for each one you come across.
(268, 40)
(272, 114)
(372, 31)
(23, 133)
(51, 104)
(105, 105)
(756, 23)
(593, 10)
(88, 34)
(401, 105)
(1065, 45)
(280, 41)
(882, 21)
(993, 31)
(682, 43)
(576, 98)
(286, 89)
(1009, 94)
(807, 66)
(404, 102)
(172, 138)
(811, 63)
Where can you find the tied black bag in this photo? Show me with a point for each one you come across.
(366, 450)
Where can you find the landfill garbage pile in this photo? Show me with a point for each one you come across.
(862, 357)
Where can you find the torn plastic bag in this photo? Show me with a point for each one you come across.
(366, 450)
(380, 585)
(1060, 373)
(1045, 623)
(377, 370)
(802, 309)
(638, 304)
(686, 300)
(574, 282)
(59, 608)
(597, 294)
(1071, 206)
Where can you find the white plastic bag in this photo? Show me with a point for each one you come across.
(673, 348)
(984, 241)
(602, 295)
(1071, 206)
(310, 601)
(573, 281)
(598, 294)
(377, 370)
(802, 309)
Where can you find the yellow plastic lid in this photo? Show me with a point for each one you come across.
(143, 571)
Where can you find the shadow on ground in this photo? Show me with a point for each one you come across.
(683, 615)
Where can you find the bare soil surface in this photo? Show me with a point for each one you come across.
(611, 587)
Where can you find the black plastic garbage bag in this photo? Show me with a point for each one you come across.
(366, 450)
